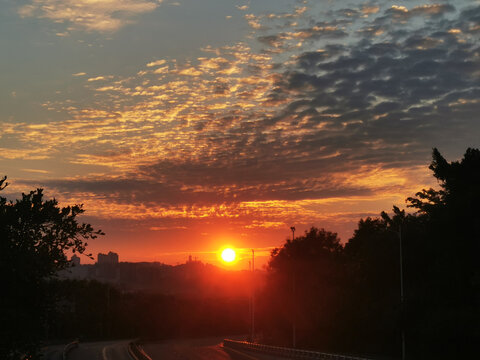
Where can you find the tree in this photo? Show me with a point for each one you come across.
(373, 282)
(450, 292)
(440, 266)
(302, 287)
(35, 235)
(348, 299)
(459, 181)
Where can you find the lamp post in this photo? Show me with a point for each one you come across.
(252, 308)
(294, 313)
(402, 296)
(402, 293)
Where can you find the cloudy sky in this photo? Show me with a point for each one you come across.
(185, 125)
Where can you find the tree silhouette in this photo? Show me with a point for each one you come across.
(35, 235)
(348, 298)
(446, 296)
(303, 278)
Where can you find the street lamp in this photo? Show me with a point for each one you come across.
(252, 307)
(294, 313)
(402, 294)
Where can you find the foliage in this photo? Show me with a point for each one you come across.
(35, 235)
(459, 182)
(298, 272)
(445, 300)
(347, 299)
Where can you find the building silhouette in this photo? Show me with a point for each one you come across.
(110, 258)
(75, 260)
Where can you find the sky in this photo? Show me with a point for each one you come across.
(185, 126)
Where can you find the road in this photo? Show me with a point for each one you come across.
(53, 352)
(198, 349)
(189, 349)
(106, 350)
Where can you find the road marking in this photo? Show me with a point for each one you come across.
(227, 349)
(129, 352)
(104, 353)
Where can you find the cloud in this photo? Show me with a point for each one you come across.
(317, 119)
(253, 21)
(98, 78)
(99, 16)
(366, 9)
(400, 12)
(167, 228)
(38, 171)
(433, 9)
(156, 63)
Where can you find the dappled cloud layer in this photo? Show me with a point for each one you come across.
(322, 114)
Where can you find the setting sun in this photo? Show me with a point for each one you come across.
(228, 255)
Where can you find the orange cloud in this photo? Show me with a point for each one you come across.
(101, 16)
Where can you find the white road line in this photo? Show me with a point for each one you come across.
(249, 357)
(130, 355)
(104, 353)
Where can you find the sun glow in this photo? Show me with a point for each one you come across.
(228, 255)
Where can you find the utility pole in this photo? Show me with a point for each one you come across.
(402, 294)
(294, 311)
(402, 291)
(253, 296)
(250, 302)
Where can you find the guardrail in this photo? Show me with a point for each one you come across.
(136, 352)
(68, 348)
(286, 352)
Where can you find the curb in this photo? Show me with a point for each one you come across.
(136, 352)
(286, 352)
(68, 348)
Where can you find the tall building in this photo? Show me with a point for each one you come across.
(110, 258)
(75, 260)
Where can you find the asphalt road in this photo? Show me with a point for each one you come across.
(53, 352)
(198, 349)
(106, 350)
(110, 350)
(189, 349)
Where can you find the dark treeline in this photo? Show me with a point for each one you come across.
(91, 310)
(347, 299)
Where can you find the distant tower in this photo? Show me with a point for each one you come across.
(110, 258)
(189, 258)
(113, 257)
(75, 260)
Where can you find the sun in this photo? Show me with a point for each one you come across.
(228, 255)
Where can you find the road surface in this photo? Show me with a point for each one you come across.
(53, 352)
(190, 349)
(105, 350)
(198, 349)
